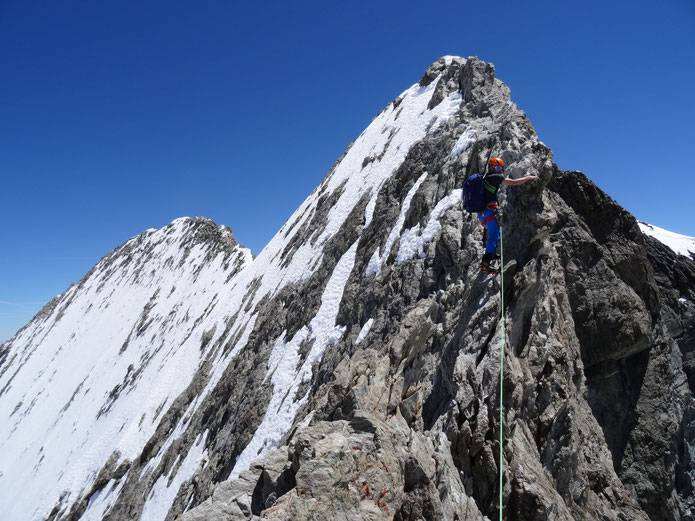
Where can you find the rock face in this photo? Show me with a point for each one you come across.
(351, 370)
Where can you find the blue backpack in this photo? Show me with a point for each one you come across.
(473, 198)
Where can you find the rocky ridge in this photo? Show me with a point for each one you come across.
(354, 371)
(404, 423)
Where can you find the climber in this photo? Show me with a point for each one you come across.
(488, 217)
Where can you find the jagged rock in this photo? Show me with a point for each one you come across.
(363, 459)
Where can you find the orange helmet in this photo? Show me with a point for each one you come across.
(495, 165)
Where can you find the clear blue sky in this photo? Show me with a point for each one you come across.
(121, 116)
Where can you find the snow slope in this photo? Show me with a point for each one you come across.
(92, 376)
(681, 244)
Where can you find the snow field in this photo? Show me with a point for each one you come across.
(681, 244)
(91, 384)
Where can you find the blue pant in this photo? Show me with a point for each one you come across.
(493, 228)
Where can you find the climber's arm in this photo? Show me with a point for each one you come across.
(516, 182)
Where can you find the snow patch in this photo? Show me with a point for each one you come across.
(464, 142)
(100, 503)
(377, 261)
(681, 244)
(364, 331)
(451, 103)
(284, 368)
(413, 239)
(163, 493)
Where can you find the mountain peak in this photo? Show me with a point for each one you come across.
(353, 367)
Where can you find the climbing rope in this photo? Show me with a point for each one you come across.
(501, 465)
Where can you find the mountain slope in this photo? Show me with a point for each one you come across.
(92, 375)
(351, 370)
(681, 244)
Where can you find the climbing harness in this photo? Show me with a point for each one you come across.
(491, 206)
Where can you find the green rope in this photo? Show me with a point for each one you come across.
(501, 367)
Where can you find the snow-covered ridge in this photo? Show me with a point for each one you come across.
(681, 244)
(371, 160)
(93, 376)
(374, 157)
